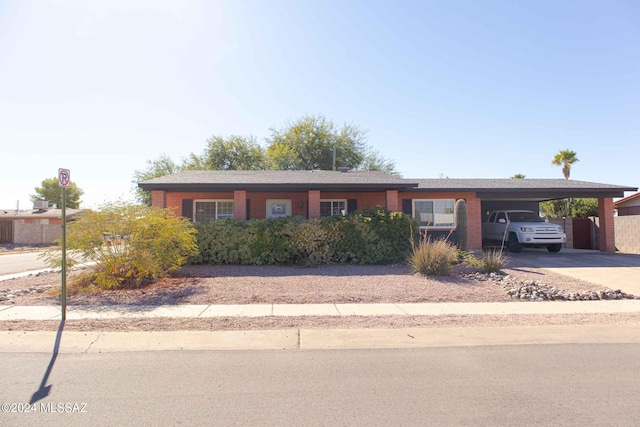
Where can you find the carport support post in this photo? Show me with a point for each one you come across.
(64, 254)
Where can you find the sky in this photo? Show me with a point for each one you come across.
(458, 89)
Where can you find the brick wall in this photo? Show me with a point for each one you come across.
(36, 234)
(627, 229)
(607, 232)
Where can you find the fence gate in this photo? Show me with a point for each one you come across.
(581, 233)
(6, 231)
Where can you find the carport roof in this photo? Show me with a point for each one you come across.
(523, 189)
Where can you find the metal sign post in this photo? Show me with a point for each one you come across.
(64, 181)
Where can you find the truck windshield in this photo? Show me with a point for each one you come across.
(524, 217)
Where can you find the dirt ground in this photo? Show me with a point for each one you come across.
(224, 284)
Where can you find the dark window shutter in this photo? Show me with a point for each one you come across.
(307, 208)
(407, 206)
(187, 208)
(352, 205)
(248, 209)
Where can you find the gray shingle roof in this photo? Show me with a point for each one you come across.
(512, 184)
(277, 177)
(207, 180)
(290, 179)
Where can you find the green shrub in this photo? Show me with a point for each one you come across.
(433, 257)
(130, 244)
(373, 236)
(493, 260)
(224, 241)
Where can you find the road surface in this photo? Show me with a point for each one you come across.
(20, 262)
(533, 385)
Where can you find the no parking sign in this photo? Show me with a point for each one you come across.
(64, 178)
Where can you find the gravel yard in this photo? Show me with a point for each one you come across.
(225, 284)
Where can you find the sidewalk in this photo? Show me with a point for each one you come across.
(261, 310)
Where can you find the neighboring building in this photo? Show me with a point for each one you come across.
(628, 206)
(205, 195)
(34, 226)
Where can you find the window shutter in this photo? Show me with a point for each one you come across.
(407, 206)
(248, 209)
(187, 208)
(352, 205)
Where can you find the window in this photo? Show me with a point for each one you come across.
(206, 210)
(278, 208)
(434, 213)
(332, 207)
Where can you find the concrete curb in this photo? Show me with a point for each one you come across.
(310, 339)
(283, 310)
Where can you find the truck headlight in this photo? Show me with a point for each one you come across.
(526, 229)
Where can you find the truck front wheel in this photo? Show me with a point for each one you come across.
(555, 247)
(513, 244)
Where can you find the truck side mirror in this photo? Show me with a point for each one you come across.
(502, 221)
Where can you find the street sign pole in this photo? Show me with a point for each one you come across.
(64, 181)
(64, 254)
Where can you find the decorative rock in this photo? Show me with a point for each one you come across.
(527, 289)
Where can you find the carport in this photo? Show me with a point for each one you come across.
(497, 194)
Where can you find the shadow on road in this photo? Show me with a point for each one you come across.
(44, 389)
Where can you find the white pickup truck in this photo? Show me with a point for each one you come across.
(520, 229)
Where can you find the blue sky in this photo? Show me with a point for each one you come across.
(463, 89)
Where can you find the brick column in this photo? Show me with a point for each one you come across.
(240, 204)
(159, 199)
(392, 200)
(314, 203)
(607, 233)
(474, 223)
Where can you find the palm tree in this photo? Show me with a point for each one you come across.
(565, 158)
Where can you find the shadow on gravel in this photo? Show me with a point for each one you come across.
(150, 295)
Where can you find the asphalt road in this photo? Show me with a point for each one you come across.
(534, 385)
(18, 263)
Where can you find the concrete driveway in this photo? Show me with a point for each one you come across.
(616, 271)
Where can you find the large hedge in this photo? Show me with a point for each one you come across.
(372, 236)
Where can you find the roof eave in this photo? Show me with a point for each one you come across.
(277, 187)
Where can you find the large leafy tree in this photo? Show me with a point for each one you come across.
(578, 208)
(565, 158)
(309, 143)
(234, 153)
(51, 192)
(161, 166)
(519, 176)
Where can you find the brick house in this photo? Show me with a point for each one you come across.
(629, 205)
(206, 195)
(32, 226)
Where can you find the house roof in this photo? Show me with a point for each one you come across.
(486, 189)
(523, 189)
(632, 198)
(37, 214)
(225, 180)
